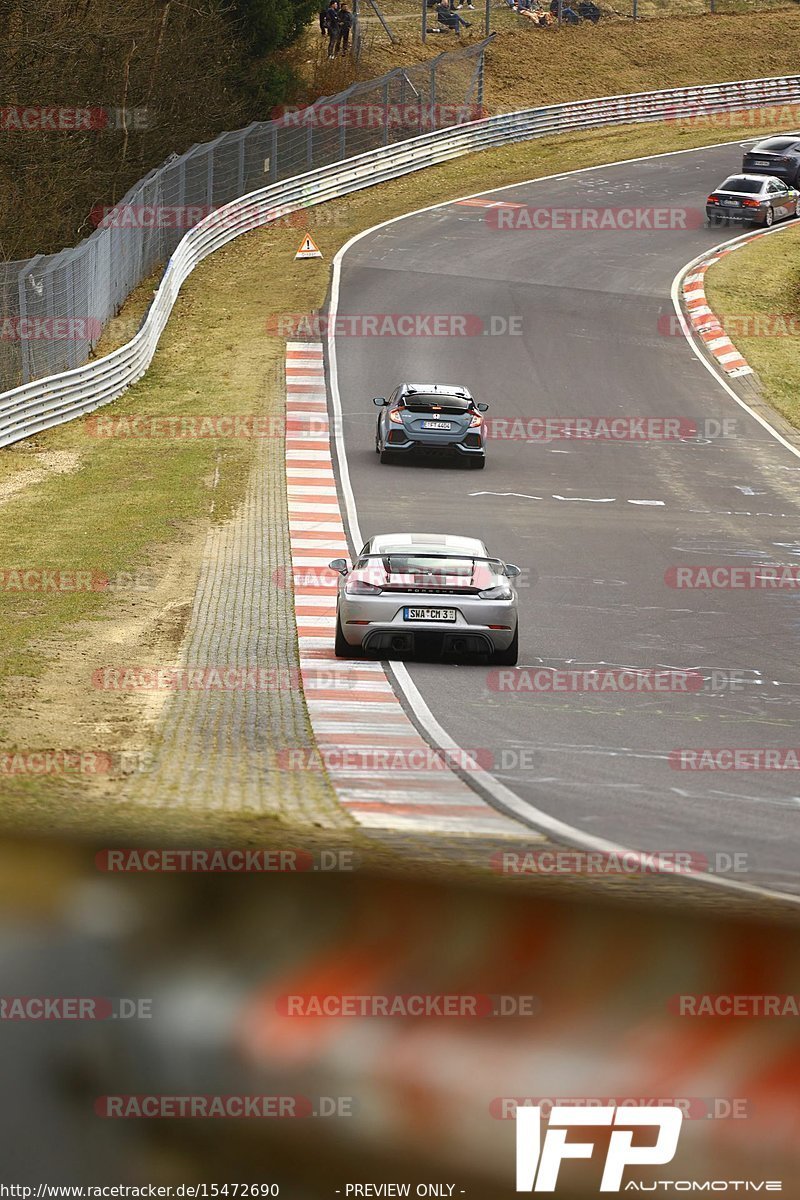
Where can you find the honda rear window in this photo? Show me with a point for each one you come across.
(451, 404)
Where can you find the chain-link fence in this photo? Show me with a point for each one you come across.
(55, 306)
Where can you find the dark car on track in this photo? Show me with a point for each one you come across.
(431, 419)
(752, 199)
(778, 156)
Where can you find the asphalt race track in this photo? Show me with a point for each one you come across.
(598, 523)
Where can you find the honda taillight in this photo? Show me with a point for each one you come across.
(476, 420)
(396, 416)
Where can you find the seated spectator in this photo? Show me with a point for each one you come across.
(568, 15)
(589, 11)
(451, 20)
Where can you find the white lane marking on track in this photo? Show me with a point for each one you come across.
(502, 795)
(520, 495)
(588, 499)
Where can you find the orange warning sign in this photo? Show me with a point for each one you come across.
(308, 248)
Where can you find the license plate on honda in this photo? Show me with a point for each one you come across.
(429, 614)
(436, 425)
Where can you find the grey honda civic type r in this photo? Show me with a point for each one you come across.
(431, 419)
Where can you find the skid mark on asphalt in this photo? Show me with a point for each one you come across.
(385, 774)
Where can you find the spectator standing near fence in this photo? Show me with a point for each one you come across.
(344, 23)
(331, 21)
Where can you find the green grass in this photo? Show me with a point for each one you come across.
(762, 280)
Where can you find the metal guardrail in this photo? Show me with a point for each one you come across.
(51, 401)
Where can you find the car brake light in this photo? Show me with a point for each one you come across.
(358, 587)
(477, 420)
(751, 203)
(712, 200)
(396, 416)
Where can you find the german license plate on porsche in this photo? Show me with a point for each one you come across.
(429, 614)
(437, 425)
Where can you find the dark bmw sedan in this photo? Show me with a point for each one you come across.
(754, 199)
(431, 419)
(778, 156)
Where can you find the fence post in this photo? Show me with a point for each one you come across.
(487, 20)
(432, 94)
(424, 4)
(24, 343)
(386, 112)
(635, 9)
(481, 62)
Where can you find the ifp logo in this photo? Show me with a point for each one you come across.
(538, 1165)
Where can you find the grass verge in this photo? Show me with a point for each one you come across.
(758, 288)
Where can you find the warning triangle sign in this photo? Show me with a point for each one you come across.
(309, 248)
